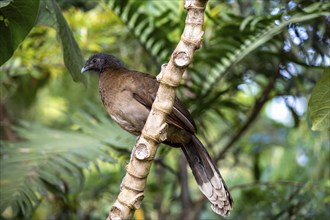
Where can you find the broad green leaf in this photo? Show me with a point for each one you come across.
(51, 15)
(16, 20)
(72, 55)
(46, 15)
(319, 103)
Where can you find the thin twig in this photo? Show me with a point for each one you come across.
(260, 102)
(164, 165)
(271, 183)
(185, 194)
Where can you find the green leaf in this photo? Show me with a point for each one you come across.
(46, 15)
(51, 15)
(16, 20)
(72, 55)
(319, 103)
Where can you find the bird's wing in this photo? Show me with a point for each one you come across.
(181, 112)
(179, 116)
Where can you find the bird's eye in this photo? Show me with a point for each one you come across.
(94, 60)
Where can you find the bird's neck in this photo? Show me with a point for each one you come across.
(112, 76)
(112, 69)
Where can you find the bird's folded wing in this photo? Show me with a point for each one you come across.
(180, 116)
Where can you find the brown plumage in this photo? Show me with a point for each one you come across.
(128, 96)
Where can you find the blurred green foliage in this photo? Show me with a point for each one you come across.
(62, 157)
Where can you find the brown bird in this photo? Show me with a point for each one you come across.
(128, 96)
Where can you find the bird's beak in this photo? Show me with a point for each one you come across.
(84, 69)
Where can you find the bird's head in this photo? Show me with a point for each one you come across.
(100, 62)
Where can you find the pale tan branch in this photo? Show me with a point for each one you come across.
(155, 129)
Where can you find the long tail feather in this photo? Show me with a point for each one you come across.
(208, 177)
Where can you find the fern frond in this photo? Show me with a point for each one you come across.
(270, 26)
(152, 30)
(51, 160)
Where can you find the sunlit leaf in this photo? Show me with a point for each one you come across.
(319, 103)
(4, 3)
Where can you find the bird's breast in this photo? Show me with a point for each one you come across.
(120, 104)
